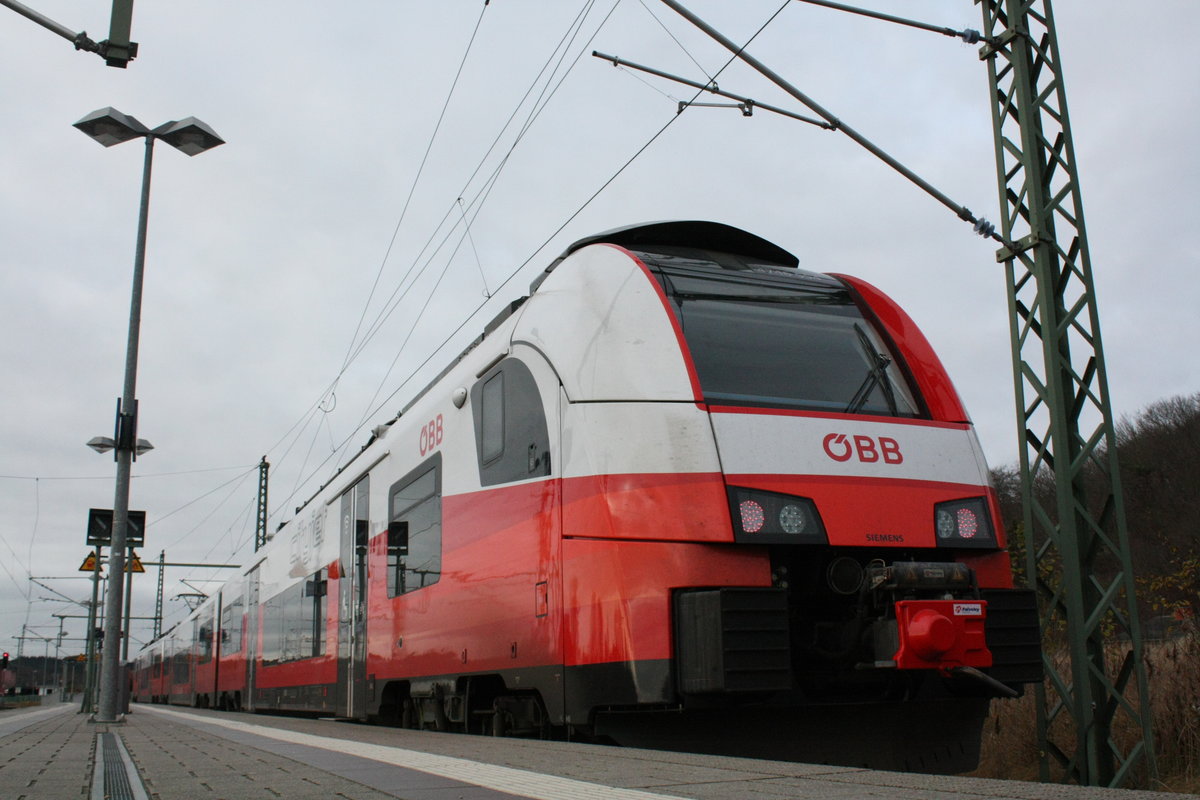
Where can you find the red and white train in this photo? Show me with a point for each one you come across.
(683, 495)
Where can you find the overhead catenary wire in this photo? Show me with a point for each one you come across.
(195, 500)
(356, 346)
(23, 586)
(981, 226)
(391, 304)
(558, 55)
(16, 583)
(470, 316)
(539, 106)
(563, 46)
(236, 482)
(416, 180)
(675, 39)
(351, 350)
(109, 477)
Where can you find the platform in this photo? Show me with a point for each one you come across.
(163, 753)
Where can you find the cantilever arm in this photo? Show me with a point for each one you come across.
(117, 50)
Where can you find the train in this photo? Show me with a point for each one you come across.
(684, 494)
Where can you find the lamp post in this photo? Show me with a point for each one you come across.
(108, 127)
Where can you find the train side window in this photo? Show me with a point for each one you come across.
(181, 663)
(205, 642)
(231, 627)
(414, 537)
(294, 621)
(513, 441)
(491, 424)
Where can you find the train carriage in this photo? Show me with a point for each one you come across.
(685, 494)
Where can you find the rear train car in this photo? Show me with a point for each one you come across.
(686, 495)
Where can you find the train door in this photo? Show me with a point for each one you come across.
(515, 405)
(352, 603)
(251, 637)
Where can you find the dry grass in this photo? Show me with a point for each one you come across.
(1173, 668)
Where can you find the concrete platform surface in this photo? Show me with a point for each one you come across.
(180, 754)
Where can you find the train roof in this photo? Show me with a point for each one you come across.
(695, 234)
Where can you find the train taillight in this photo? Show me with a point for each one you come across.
(964, 523)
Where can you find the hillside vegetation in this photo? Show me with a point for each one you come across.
(1158, 454)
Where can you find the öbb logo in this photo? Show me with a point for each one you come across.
(841, 447)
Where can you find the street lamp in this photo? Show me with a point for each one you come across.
(108, 127)
(102, 444)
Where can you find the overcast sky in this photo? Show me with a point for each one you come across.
(263, 253)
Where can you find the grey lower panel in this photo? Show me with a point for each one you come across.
(317, 699)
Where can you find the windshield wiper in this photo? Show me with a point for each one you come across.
(876, 376)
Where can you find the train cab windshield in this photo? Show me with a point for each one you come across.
(765, 335)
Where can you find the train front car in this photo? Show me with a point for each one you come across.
(778, 535)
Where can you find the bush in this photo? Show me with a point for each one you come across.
(1010, 747)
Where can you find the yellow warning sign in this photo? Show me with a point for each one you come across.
(133, 564)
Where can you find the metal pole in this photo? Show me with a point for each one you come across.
(162, 557)
(119, 51)
(89, 685)
(110, 671)
(58, 657)
(128, 606)
(260, 526)
(748, 103)
(80, 40)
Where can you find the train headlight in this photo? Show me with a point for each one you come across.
(771, 518)
(964, 523)
(791, 519)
